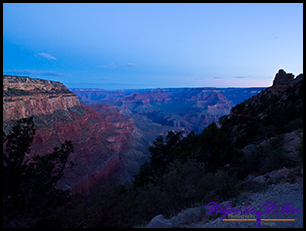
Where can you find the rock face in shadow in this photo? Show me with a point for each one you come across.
(276, 110)
(106, 143)
(282, 79)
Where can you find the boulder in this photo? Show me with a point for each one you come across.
(159, 222)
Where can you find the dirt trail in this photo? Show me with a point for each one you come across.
(281, 192)
(277, 194)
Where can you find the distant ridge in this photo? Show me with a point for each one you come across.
(189, 109)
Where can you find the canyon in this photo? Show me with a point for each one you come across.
(187, 109)
(110, 130)
(106, 143)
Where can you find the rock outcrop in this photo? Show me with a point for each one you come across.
(282, 79)
(30, 84)
(277, 109)
(24, 96)
(159, 222)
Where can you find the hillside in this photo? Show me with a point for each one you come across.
(276, 110)
(267, 128)
(279, 193)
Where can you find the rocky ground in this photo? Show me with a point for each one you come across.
(279, 187)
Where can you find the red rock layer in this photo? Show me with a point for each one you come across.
(102, 137)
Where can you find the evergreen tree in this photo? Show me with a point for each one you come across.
(216, 148)
(29, 182)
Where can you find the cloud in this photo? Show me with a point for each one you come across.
(47, 56)
(218, 77)
(130, 65)
(32, 72)
(241, 77)
(110, 65)
(113, 65)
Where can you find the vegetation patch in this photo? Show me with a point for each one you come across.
(15, 92)
(29, 182)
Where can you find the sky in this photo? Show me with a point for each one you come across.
(137, 46)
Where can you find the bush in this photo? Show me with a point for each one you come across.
(294, 125)
(300, 148)
(269, 157)
(187, 183)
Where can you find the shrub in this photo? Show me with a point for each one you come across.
(187, 183)
(300, 148)
(269, 157)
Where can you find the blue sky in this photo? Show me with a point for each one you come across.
(130, 46)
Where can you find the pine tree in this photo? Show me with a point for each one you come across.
(29, 182)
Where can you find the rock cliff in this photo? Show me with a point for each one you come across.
(106, 143)
(24, 96)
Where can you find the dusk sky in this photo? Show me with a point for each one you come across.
(136, 46)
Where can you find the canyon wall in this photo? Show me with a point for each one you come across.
(24, 96)
(106, 143)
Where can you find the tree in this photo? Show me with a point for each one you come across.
(29, 182)
(216, 148)
(163, 152)
(143, 177)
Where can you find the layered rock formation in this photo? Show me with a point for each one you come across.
(106, 143)
(24, 96)
(189, 109)
(282, 79)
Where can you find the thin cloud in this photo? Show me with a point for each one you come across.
(218, 77)
(47, 56)
(101, 78)
(52, 74)
(241, 77)
(110, 65)
(113, 65)
(130, 65)
(32, 73)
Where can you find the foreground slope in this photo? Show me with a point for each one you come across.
(268, 130)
